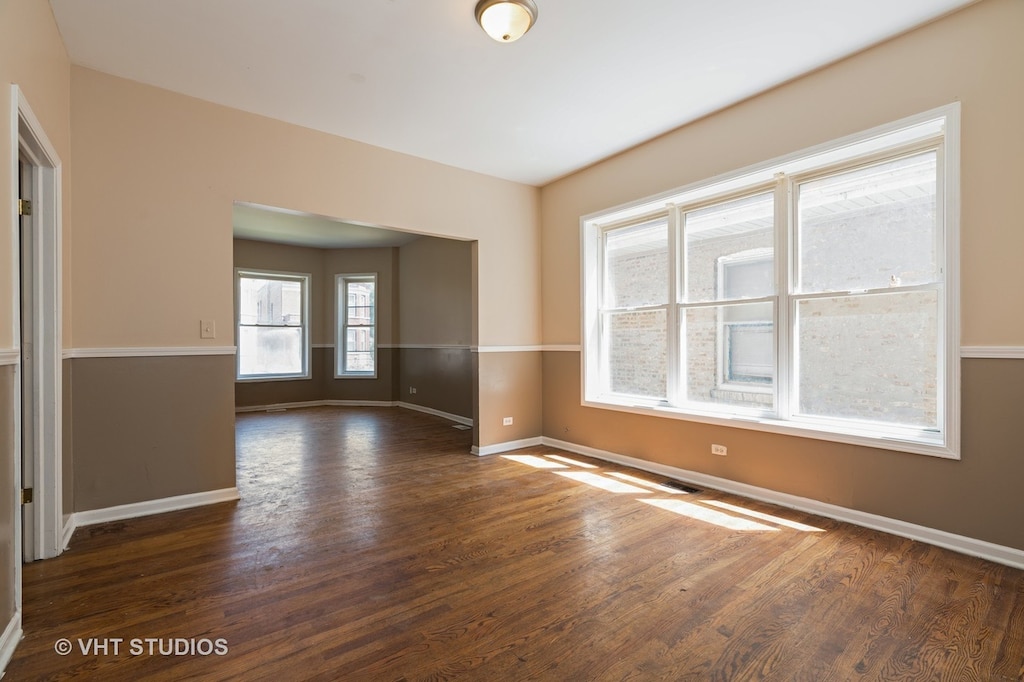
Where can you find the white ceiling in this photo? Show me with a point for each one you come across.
(593, 77)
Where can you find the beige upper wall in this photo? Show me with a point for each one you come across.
(436, 292)
(160, 172)
(33, 57)
(975, 56)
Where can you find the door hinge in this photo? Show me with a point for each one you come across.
(24, 207)
(26, 495)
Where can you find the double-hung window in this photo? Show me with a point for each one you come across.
(357, 326)
(273, 325)
(815, 294)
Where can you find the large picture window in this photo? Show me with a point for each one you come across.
(357, 326)
(273, 334)
(814, 294)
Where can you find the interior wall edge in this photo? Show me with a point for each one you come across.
(9, 639)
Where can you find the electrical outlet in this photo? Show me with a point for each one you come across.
(412, 390)
(507, 421)
(719, 450)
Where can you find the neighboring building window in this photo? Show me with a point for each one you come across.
(815, 294)
(357, 326)
(273, 326)
(747, 354)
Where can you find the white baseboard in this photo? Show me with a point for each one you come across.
(9, 640)
(166, 504)
(280, 407)
(437, 413)
(958, 543)
(69, 530)
(506, 446)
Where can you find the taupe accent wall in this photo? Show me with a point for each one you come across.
(67, 444)
(8, 558)
(148, 428)
(442, 377)
(501, 373)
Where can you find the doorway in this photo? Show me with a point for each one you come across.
(38, 413)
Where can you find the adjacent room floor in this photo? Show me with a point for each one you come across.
(370, 545)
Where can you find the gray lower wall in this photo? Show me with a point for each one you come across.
(147, 428)
(8, 558)
(67, 444)
(378, 389)
(443, 378)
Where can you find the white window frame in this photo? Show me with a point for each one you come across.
(341, 311)
(304, 280)
(938, 128)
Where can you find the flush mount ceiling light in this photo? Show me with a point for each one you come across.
(506, 20)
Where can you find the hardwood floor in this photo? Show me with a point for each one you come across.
(369, 545)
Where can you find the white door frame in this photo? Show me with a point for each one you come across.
(29, 141)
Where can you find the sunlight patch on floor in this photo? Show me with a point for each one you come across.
(569, 460)
(599, 481)
(535, 461)
(648, 484)
(714, 512)
(701, 513)
(795, 525)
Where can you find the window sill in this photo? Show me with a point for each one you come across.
(848, 434)
(272, 377)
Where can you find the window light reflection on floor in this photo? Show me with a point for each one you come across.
(765, 517)
(701, 513)
(569, 460)
(598, 481)
(648, 484)
(708, 511)
(535, 461)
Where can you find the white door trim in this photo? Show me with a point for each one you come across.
(29, 139)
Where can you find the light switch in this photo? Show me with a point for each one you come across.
(207, 329)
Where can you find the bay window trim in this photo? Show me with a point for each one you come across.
(341, 282)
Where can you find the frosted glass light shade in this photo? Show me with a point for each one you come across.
(506, 20)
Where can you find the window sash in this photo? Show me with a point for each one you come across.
(921, 135)
(277, 367)
(363, 326)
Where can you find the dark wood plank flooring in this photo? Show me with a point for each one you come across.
(369, 545)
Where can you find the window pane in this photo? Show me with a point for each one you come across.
(869, 357)
(269, 350)
(359, 349)
(637, 353)
(361, 303)
(636, 265)
(732, 235)
(729, 353)
(270, 302)
(869, 228)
